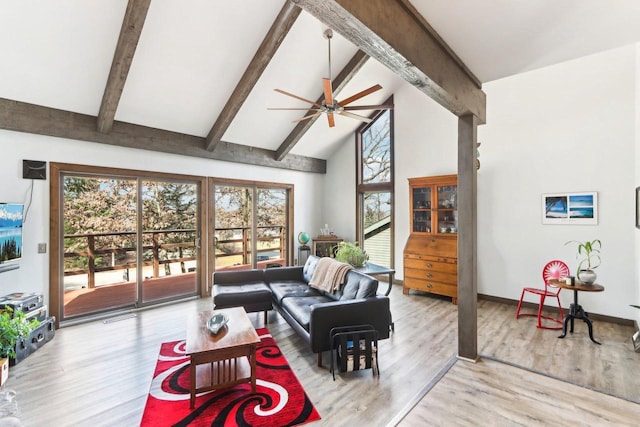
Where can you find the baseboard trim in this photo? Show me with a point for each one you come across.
(592, 316)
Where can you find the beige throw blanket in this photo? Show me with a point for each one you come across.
(329, 274)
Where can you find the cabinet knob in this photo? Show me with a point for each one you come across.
(429, 275)
(429, 285)
(429, 265)
(433, 240)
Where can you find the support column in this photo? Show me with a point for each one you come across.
(467, 238)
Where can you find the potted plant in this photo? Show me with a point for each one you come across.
(351, 253)
(13, 326)
(589, 255)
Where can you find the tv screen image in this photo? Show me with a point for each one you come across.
(11, 217)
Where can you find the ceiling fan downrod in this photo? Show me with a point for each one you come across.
(328, 34)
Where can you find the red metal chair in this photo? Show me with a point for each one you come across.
(552, 270)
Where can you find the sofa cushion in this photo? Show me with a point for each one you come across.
(358, 285)
(293, 273)
(299, 308)
(291, 288)
(246, 294)
(310, 267)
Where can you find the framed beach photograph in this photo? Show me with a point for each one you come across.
(570, 208)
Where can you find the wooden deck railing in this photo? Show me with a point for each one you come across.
(277, 236)
(117, 254)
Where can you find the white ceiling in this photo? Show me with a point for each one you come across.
(192, 52)
(499, 38)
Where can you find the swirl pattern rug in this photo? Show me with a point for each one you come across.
(279, 400)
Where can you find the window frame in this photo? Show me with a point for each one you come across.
(378, 187)
(255, 185)
(57, 173)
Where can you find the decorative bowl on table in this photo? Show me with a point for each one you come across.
(217, 322)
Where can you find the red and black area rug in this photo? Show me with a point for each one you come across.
(279, 400)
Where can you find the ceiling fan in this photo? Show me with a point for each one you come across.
(330, 105)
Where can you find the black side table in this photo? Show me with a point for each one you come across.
(575, 310)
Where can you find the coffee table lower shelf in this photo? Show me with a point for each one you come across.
(213, 370)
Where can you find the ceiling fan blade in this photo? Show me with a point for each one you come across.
(331, 120)
(370, 107)
(297, 97)
(356, 116)
(360, 95)
(310, 116)
(328, 91)
(305, 108)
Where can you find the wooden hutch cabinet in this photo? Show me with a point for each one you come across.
(431, 252)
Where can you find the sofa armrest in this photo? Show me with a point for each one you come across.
(283, 274)
(373, 311)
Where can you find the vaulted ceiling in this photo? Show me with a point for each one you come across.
(196, 77)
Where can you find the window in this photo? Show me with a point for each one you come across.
(243, 210)
(374, 142)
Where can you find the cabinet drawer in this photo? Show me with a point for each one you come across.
(419, 264)
(438, 276)
(431, 245)
(432, 287)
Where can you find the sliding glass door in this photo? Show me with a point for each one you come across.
(124, 241)
(251, 225)
(170, 240)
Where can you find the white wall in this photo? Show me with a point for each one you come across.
(636, 278)
(425, 143)
(33, 274)
(566, 128)
(339, 203)
(569, 127)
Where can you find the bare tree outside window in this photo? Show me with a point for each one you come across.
(375, 188)
(376, 151)
(235, 219)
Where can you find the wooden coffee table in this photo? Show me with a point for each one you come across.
(225, 359)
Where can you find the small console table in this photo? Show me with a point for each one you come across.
(575, 310)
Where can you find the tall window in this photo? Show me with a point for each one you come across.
(374, 143)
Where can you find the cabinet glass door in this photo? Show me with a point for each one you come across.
(422, 210)
(447, 209)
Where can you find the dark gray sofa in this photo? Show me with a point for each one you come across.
(310, 312)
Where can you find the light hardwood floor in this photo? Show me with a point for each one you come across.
(493, 393)
(98, 374)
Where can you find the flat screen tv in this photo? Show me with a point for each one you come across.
(11, 218)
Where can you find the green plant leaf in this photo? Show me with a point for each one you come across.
(13, 326)
(351, 253)
(588, 253)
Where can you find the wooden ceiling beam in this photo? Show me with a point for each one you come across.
(346, 74)
(272, 41)
(130, 31)
(23, 117)
(395, 34)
